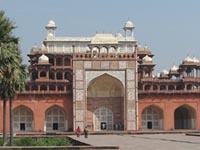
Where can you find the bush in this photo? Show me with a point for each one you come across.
(53, 142)
(26, 141)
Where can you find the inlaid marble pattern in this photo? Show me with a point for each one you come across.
(131, 94)
(79, 95)
(131, 85)
(88, 65)
(104, 64)
(90, 75)
(79, 84)
(130, 74)
(79, 115)
(79, 74)
(122, 64)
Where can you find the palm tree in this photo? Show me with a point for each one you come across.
(12, 72)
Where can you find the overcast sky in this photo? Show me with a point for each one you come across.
(170, 28)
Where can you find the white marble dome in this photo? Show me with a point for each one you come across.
(195, 60)
(174, 68)
(43, 59)
(188, 59)
(129, 24)
(165, 71)
(147, 59)
(51, 24)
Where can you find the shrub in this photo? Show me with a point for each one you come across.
(26, 141)
(53, 142)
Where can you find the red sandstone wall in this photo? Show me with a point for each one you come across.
(168, 104)
(39, 105)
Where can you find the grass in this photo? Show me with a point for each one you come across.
(48, 141)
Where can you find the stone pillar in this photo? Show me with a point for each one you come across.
(131, 100)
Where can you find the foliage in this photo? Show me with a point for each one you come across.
(53, 142)
(26, 141)
(50, 141)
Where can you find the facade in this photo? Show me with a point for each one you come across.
(105, 82)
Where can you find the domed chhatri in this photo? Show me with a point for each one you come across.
(43, 59)
(147, 59)
(51, 24)
(174, 68)
(129, 25)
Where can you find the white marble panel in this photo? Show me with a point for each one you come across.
(130, 74)
(79, 95)
(90, 75)
(79, 74)
(122, 64)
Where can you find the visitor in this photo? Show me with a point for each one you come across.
(78, 131)
(86, 132)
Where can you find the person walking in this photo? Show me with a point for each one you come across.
(78, 131)
(86, 132)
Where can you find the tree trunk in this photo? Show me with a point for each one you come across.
(4, 122)
(11, 123)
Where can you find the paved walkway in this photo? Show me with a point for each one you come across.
(144, 141)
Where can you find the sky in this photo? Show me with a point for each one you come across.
(170, 28)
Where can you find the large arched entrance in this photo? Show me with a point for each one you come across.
(105, 104)
(55, 119)
(152, 118)
(22, 119)
(103, 119)
(184, 117)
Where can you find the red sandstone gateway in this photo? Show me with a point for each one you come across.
(105, 82)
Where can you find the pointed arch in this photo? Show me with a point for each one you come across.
(152, 117)
(105, 85)
(103, 119)
(55, 118)
(185, 117)
(22, 118)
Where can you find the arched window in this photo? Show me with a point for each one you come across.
(184, 117)
(43, 88)
(103, 119)
(52, 87)
(51, 75)
(162, 87)
(55, 119)
(147, 87)
(43, 74)
(59, 76)
(60, 88)
(22, 119)
(152, 118)
(103, 50)
(171, 87)
(34, 75)
(68, 76)
(155, 87)
(34, 87)
(59, 61)
(112, 50)
(51, 61)
(67, 62)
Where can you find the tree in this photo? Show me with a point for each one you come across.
(12, 72)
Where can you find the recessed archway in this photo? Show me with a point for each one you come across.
(105, 93)
(22, 119)
(152, 118)
(103, 119)
(185, 117)
(55, 119)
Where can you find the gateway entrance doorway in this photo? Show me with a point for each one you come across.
(103, 119)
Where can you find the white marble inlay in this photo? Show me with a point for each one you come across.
(90, 75)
